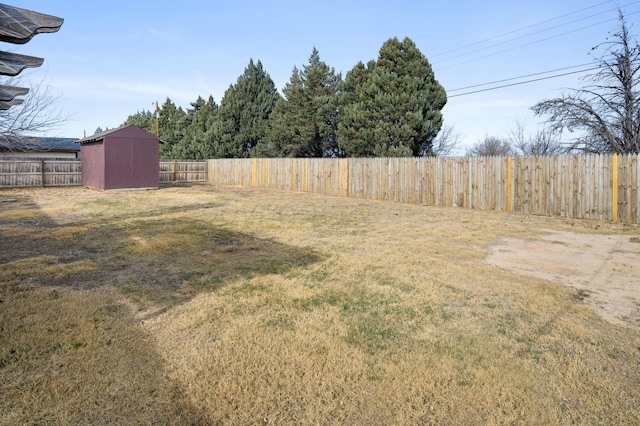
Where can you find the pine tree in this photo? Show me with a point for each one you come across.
(391, 107)
(197, 143)
(172, 127)
(356, 128)
(245, 109)
(304, 122)
(144, 120)
(195, 109)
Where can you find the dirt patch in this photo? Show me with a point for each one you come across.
(602, 271)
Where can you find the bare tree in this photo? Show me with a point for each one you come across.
(490, 146)
(447, 142)
(545, 141)
(36, 115)
(607, 111)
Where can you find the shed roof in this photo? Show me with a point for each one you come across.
(101, 135)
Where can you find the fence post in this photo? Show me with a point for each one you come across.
(175, 170)
(42, 173)
(614, 187)
(507, 205)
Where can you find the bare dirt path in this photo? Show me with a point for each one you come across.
(603, 271)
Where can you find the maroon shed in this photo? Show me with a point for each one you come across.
(123, 158)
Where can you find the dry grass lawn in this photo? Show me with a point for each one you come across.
(214, 305)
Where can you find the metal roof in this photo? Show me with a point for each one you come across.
(101, 135)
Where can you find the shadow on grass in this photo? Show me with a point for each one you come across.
(157, 259)
(163, 256)
(168, 261)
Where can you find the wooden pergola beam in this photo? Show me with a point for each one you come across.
(12, 64)
(7, 93)
(18, 26)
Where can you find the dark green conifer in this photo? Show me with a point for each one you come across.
(391, 107)
(245, 109)
(305, 121)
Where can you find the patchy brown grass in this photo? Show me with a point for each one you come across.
(211, 305)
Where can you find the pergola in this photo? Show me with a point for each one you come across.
(18, 26)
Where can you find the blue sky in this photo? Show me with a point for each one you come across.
(113, 58)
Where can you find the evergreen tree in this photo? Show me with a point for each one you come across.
(195, 108)
(197, 143)
(356, 128)
(172, 127)
(243, 118)
(391, 107)
(304, 123)
(143, 119)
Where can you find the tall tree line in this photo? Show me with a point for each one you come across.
(388, 107)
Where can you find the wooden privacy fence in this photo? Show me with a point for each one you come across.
(183, 171)
(583, 187)
(21, 173)
(25, 173)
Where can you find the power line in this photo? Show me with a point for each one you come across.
(522, 82)
(544, 30)
(520, 77)
(591, 65)
(521, 29)
(534, 42)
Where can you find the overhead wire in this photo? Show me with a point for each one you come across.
(534, 42)
(591, 66)
(520, 29)
(543, 31)
(522, 76)
(523, 82)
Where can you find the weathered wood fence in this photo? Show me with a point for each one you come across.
(22, 173)
(25, 173)
(584, 186)
(183, 171)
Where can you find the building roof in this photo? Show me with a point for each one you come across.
(101, 135)
(34, 143)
